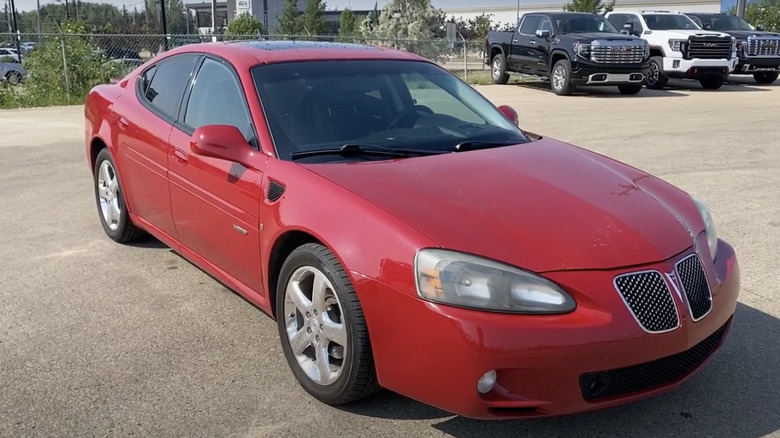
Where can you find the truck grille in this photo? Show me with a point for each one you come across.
(649, 299)
(617, 52)
(708, 48)
(763, 46)
(649, 375)
(695, 285)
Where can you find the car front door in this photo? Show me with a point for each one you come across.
(522, 59)
(540, 47)
(216, 202)
(144, 124)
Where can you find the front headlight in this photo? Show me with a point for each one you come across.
(709, 227)
(582, 49)
(465, 280)
(676, 45)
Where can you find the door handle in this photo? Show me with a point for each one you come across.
(514, 40)
(180, 156)
(533, 41)
(123, 122)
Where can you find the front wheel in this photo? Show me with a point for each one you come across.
(765, 77)
(111, 204)
(712, 82)
(498, 69)
(629, 89)
(560, 79)
(656, 80)
(13, 78)
(322, 328)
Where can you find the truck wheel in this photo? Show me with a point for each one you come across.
(712, 82)
(560, 79)
(498, 69)
(765, 77)
(656, 80)
(629, 88)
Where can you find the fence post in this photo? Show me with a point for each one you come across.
(65, 66)
(465, 61)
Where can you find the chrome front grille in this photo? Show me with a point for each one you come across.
(708, 48)
(649, 299)
(694, 283)
(617, 52)
(763, 46)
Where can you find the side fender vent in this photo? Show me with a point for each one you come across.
(275, 191)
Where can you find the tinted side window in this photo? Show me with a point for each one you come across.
(634, 20)
(618, 20)
(166, 86)
(216, 99)
(530, 24)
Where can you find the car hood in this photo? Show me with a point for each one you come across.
(543, 206)
(685, 33)
(584, 37)
(744, 34)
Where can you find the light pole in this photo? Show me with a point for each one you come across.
(16, 31)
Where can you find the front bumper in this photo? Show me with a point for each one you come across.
(748, 66)
(608, 74)
(592, 358)
(697, 68)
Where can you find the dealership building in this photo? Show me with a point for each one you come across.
(502, 11)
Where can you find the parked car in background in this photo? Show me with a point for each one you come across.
(407, 234)
(9, 54)
(572, 49)
(12, 72)
(679, 48)
(758, 51)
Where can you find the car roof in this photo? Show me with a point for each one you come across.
(252, 52)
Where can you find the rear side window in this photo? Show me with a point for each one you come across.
(530, 24)
(163, 85)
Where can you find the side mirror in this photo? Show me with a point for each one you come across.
(707, 26)
(628, 28)
(543, 33)
(510, 114)
(225, 142)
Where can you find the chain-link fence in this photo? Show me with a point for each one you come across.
(52, 69)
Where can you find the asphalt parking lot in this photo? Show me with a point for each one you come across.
(98, 339)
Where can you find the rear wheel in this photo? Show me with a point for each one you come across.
(712, 82)
(656, 79)
(322, 328)
(111, 204)
(560, 79)
(13, 77)
(765, 77)
(629, 89)
(498, 69)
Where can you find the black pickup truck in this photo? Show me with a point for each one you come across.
(758, 51)
(570, 48)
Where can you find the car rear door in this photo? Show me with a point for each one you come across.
(216, 202)
(524, 42)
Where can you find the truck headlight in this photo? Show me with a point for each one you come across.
(676, 45)
(582, 49)
(709, 227)
(464, 280)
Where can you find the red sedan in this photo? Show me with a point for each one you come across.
(406, 234)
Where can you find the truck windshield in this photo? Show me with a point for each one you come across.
(668, 22)
(585, 24)
(387, 104)
(725, 22)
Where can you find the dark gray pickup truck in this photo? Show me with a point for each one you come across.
(570, 48)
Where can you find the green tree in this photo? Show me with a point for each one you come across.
(313, 18)
(593, 6)
(411, 25)
(348, 25)
(289, 21)
(764, 13)
(244, 25)
(480, 25)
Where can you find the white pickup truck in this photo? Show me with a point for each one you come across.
(679, 48)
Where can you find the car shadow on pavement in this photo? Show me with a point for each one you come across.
(734, 395)
(147, 241)
(602, 91)
(729, 86)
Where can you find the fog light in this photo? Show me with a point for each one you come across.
(676, 64)
(486, 383)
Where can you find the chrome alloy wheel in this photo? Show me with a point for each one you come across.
(559, 77)
(653, 75)
(108, 192)
(315, 329)
(496, 68)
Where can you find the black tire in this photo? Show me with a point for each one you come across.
(498, 69)
(712, 82)
(563, 87)
(357, 379)
(124, 231)
(766, 77)
(656, 80)
(629, 89)
(13, 77)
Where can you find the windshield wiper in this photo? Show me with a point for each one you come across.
(351, 149)
(474, 145)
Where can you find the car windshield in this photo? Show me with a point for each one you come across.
(411, 105)
(584, 24)
(725, 22)
(669, 22)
